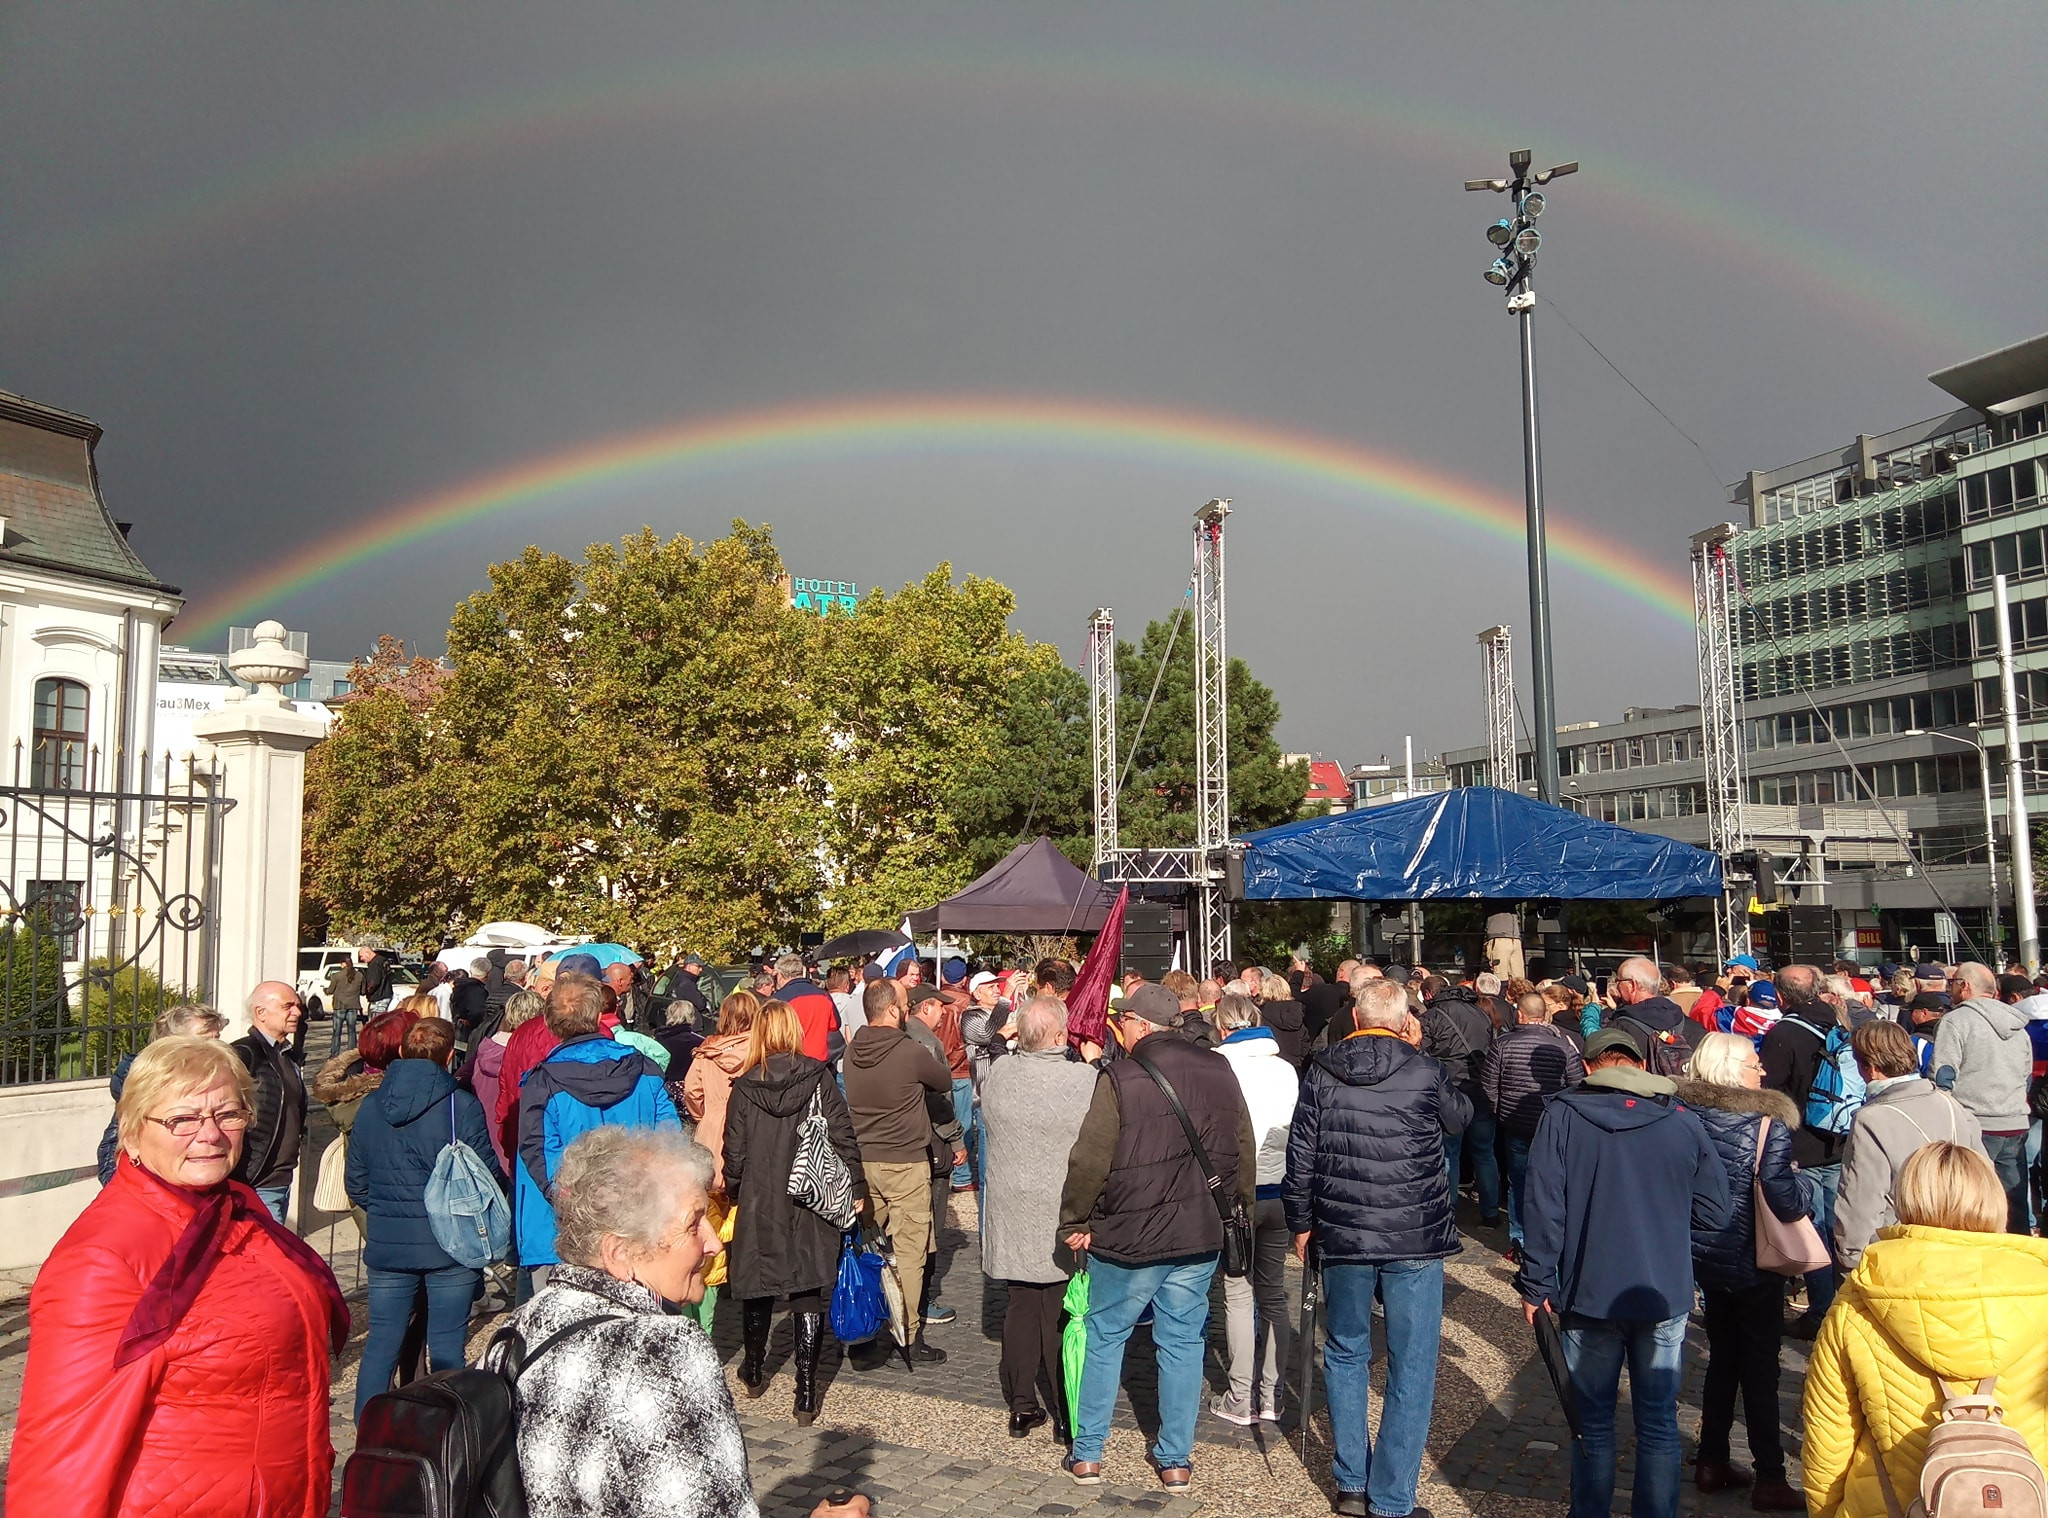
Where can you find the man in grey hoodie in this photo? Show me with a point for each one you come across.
(1902, 1111)
(1983, 1056)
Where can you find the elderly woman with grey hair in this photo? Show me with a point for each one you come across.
(629, 1413)
(1032, 1104)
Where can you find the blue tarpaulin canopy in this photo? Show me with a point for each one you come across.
(1471, 842)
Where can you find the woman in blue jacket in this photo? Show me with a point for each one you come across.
(1745, 1306)
(399, 1133)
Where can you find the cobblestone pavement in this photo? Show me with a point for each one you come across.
(934, 1443)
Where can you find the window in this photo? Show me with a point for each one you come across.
(55, 907)
(59, 763)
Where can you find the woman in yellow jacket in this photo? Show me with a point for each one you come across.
(1945, 1292)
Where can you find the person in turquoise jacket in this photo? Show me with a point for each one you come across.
(587, 1082)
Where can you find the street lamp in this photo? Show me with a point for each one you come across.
(1990, 838)
(1519, 241)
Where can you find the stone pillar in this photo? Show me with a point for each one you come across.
(259, 742)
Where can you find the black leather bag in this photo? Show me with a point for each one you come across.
(1237, 1223)
(446, 1446)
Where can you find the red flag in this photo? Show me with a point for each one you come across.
(1088, 1002)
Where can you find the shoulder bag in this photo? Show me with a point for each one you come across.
(818, 1177)
(1782, 1248)
(1237, 1223)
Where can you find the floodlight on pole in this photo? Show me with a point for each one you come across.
(1512, 274)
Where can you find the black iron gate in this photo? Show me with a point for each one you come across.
(107, 915)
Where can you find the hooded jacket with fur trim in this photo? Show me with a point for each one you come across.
(1724, 1258)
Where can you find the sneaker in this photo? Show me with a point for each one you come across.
(1084, 1472)
(1230, 1410)
(1175, 1478)
(922, 1353)
(938, 1313)
(1350, 1505)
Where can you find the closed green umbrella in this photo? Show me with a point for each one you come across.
(1074, 1341)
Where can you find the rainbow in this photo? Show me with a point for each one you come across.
(894, 426)
(1692, 217)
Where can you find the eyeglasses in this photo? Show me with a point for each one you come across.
(186, 1125)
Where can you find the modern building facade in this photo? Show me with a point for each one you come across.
(1866, 655)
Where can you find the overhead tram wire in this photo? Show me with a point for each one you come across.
(1904, 840)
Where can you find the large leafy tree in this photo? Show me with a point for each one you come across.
(1157, 804)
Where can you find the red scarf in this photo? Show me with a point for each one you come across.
(178, 1282)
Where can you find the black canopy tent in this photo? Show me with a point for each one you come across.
(1033, 889)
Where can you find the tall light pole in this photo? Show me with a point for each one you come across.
(1517, 238)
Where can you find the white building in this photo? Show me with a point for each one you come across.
(81, 615)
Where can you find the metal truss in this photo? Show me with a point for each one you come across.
(1714, 599)
(1102, 724)
(1498, 658)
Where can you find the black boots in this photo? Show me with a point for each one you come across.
(810, 1338)
(757, 1317)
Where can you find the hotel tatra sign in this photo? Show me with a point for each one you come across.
(823, 596)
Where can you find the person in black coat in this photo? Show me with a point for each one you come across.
(469, 998)
(1280, 1012)
(1744, 1305)
(399, 1133)
(781, 1249)
(1456, 1032)
(1367, 1184)
(1526, 1066)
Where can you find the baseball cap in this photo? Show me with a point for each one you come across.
(984, 978)
(1396, 973)
(1747, 961)
(1888, 969)
(921, 994)
(953, 971)
(1612, 1038)
(691, 959)
(870, 972)
(1929, 972)
(1154, 1003)
(1762, 993)
(1575, 983)
(577, 964)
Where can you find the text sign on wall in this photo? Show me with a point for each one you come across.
(1870, 938)
(824, 595)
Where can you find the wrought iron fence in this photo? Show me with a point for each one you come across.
(107, 912)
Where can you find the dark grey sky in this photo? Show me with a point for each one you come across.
(309, 265)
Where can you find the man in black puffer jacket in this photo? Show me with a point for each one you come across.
(1365, 1182)
(1457, 1033)
(1745, 1307)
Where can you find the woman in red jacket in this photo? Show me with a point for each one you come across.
(178, 1336)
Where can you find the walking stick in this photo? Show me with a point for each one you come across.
(1311, 1302)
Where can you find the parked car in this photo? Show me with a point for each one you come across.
(315, 960)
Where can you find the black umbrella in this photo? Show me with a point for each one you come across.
(1550, 1345)
(1305, 1345)
(862, 944)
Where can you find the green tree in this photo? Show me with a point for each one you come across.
(1040, 776)
(1157, 805)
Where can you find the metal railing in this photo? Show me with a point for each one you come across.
(108, 912)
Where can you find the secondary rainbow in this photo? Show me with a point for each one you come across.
(1240, 452)
(1456, 144)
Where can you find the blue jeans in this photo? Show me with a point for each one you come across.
(1518, 1179)
(449, 1294)
(1477, 1137)
(963, 1114)
(2033, 1172)
(1412, 1292)
(1177, 1291)
(1820, 1284)
(1595, 1349)
(2008, 1158)
(277, 1198)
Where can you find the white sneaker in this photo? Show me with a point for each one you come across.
(1270, 1413)
(1233, 1412)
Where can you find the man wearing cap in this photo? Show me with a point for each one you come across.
(1619, 1177)
(983, 1025)
(1136, 1202)
(953, 989)
(682, 986)
(896, 1089)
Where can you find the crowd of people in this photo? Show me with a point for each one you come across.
(1810, 1155)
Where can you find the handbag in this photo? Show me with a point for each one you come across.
(1237, 1222)
(818, 1177)
(860, 1310)
(1782, 1248)
(330, 1189)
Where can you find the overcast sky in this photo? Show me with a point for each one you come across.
(310, 265)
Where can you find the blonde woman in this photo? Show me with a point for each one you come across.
(717, 1064)
(1941, 1300)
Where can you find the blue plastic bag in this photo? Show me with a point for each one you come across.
(859, 1310)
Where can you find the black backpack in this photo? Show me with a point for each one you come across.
(446, 1446)
(1663, 1053)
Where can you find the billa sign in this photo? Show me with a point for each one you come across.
(823, 596)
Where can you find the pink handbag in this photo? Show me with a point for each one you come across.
(1782, 1248)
